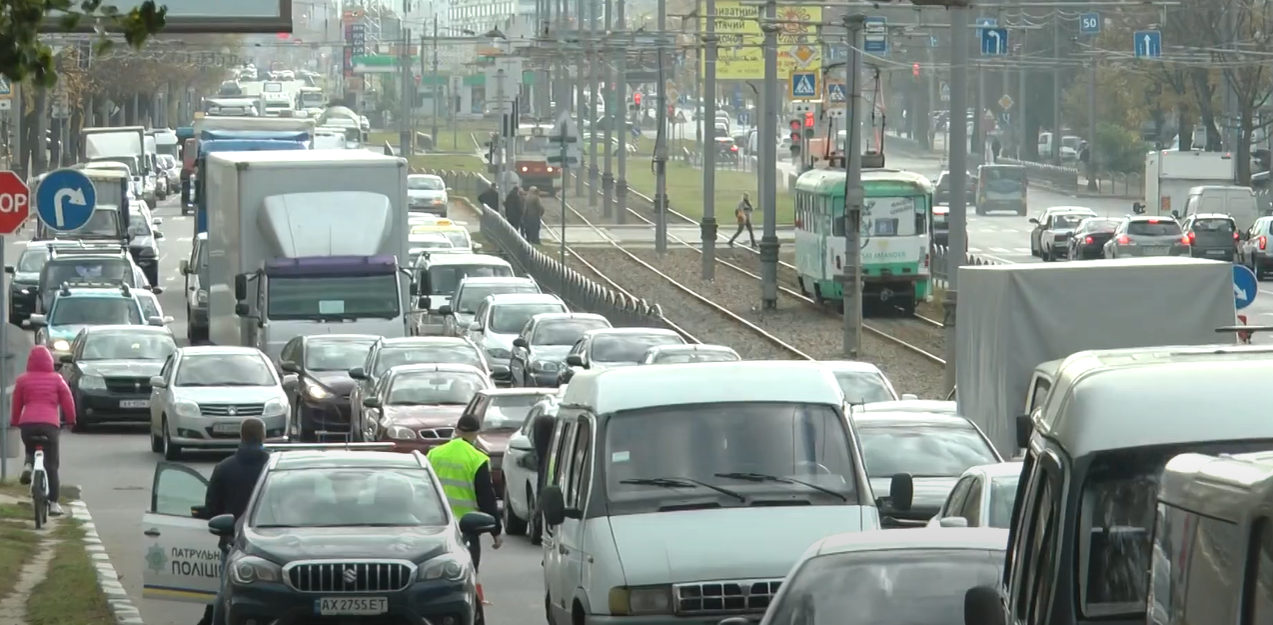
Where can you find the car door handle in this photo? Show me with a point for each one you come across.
(151, 532)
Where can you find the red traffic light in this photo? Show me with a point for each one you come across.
(915, 70)
(808, 120)
(795, 125)
(636, 98)
(795, 137)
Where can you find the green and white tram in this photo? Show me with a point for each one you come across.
(896, 231)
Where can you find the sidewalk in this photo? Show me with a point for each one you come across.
(57, 575)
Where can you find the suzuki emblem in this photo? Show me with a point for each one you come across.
(232, 411)
(351, 576)
(137, 386)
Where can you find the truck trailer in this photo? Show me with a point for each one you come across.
(1016, 322)
(1170, 174)
(124, 144)
(204, 124)
(305, 242)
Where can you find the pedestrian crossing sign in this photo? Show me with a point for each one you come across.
(5, 88)
(804, 85)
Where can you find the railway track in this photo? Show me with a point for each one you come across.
(907, 333)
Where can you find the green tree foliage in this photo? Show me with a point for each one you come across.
(24, 58)
(1119, 149)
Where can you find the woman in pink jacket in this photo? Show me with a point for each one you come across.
(37, 395)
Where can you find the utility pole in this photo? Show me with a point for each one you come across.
(404, 121)
(1057, 93)
(499, 151)
(769, 156)
(437, 101)
(1091, 127)
(621, 104)
(594, 77)
(708, 150)
(581, 89)
(660, 138)
(561, 92)
(612, 112)
(39, 155)
(1021, 89)
(976, 144)
(854, 195)
(956, 141)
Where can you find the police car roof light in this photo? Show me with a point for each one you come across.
(89, 284)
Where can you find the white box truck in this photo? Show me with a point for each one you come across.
(1016, 322)
(1170, 174)
(305, 242)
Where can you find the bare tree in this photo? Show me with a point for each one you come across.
(1242, 40)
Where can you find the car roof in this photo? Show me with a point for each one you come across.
(976, 538)
(506, 392)
(495, 280)
(1071, 209)
(1212, 216)
(910, 419)
(629, 388)
(850, 365)
(523, 298)
(1153, 218)
(691, 347)
(438, 367)
(430, 176)
(564, 316)
(927, 406)
(228, 350)
(408, 341)
(130, 328)
(628, 331)
(284, 460)
(997, 470)
(467, 259)
(418, 235)
(75, 291)
(338, 338)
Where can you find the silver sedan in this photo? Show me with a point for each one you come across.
(1147, 236)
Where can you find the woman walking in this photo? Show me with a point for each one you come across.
(532, 215)
(37, 396)
(743, 214)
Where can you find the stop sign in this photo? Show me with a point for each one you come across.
(15, 202)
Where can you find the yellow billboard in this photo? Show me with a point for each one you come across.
(740, 55)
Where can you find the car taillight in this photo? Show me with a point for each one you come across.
(1187, 240)
(733, 148)
(1263, 242)
(1124, 240)
(1235, 236)
(1087, 241)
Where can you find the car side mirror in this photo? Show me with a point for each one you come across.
(157, 221)
(1175, 215)
(155, 321)
(288, 366)
(445, 310)
(242, 309)
(1138, 208)
(574, 360)
(35, 321)
(953, 521)
(424, 302)
(475, 327)
(66, 359)
(157, 382)
(553, 504)
(983, 606)
(222, 525)
(475, 523)
(1025, 427)
(184, 267)
(241, 287)
(1034, 221)
(10, 269)
(371, 402)
(413, 289)
(358, 373)
(520, 342)
(909, 396)
(158, 235)
(901, 492)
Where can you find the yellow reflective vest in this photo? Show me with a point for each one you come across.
(456, 464)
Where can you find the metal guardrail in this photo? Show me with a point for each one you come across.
(579, 291)
(1058, 177)
(941, 257)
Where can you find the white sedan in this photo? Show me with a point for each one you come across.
(982, 497)
(521, 475)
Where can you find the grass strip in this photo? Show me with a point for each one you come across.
(70, 594)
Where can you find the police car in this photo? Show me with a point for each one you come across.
(83, 305)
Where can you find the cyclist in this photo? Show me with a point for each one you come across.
(37, 396)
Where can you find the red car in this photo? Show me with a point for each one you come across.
(415, 407)
(501, 411)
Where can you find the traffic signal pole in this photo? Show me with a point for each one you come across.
(660, 139)
(956, 142)
(709, 145)
(854, 195)
(768, 158)
(621, 108)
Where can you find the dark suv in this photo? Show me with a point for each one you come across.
(1211, 236)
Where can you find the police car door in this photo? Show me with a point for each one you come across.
(180, 557)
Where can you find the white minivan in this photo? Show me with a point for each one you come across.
(1234, 201)
(436, 276)
(692, 503)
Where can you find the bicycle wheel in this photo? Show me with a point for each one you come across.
(39, 499)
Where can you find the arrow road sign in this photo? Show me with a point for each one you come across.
(985, 22)
(65, 200)
(15, 202)
(804, 85)
(875, 35)
(1245, 286)
(838, 92)
(994, 41)
(1090, 23)
(1147, 43)
(945, 92)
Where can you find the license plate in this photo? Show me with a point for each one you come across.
(134, 403)
(1155, 251)
(1215, 252)
(226, 428)
(347, 606)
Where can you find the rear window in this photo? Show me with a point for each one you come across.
(1003, 173)
(1100, 225)
(1225, 226)
(1161, 228)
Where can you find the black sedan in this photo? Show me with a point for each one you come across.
(1088, 240)
(109, 370)
(320, 393)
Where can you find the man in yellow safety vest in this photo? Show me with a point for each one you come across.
(465, 473)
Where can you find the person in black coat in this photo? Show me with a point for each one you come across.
(229, 491)
(490, 198)
(513, 209)
(541, 438)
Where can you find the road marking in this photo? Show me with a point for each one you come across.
(1001, 250)
(170, 279)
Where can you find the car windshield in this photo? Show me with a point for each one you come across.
(425, 183)
(1003, 493)
(336, 355)
(33, 260)
(95, 311)
(894, 587)
(349, 497)
(224, 370)
(430, 388)
(443, 279)
(727, 445)
(103, 223)
(459, 237)
(1067, 221)
(922, 450)
(1100, 225)
(126, 346)
(1218, 225)
(149, 304)
(455, 353)
(1154, 228)
(864, 387)
(511, 318)
(508, 412)
(472, 295)
(992, 174)
(88, 270)
(565, 331)
(420, 243)
(138, 225)
(676, 358)
(629, 347)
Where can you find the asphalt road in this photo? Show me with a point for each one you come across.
(115, 468)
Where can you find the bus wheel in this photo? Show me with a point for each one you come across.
(817, 294)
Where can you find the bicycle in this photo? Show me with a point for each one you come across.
(39, 482)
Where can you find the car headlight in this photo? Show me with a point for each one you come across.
(92, 383)
(201, 296)
(398, 432)
(275, 407)
(544, 366)
(498, 352)
(447, 567)
(61, 345)
(315, 391)
(250, 569)
(185, 408)
(641, 600)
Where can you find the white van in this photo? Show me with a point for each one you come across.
(1080, 548)
(692, 503)
(1234, 201)
(435, 278)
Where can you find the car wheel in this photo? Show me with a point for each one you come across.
(156, 443)
(1045, 254)
(513, 525)
(172, 451)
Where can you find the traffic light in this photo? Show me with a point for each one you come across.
(808, 119)
(796, 136)
(915, 70)
(636, 98)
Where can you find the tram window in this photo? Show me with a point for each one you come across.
(837, 226)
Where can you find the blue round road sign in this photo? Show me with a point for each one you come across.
(1245, 286)
(65, 199)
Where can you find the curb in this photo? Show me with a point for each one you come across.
(107, 578)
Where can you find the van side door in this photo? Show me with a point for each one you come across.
(557, 582)
(571, 539)
(1034, 544)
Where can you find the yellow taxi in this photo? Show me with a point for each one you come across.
(459, 236)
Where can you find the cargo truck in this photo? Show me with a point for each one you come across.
(1170, 174)
(109, 221)
(305, 242)
(207, 123)
(1018, 322)
(125, 144)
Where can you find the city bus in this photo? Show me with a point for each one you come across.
(896, 236)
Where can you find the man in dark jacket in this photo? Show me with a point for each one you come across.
(229, 490)
(513, 209)
(490, 197)
(541, 436)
